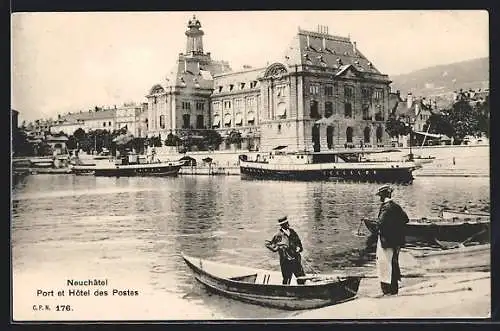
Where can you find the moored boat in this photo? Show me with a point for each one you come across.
(349, 165)
(111, 169)
(466, 215)
(441, 229)
(263, 287)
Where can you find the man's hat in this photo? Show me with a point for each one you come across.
(384, 188)
(283, 220)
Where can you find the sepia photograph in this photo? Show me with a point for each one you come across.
(250, 165)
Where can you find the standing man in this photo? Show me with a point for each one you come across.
(288, 245)
(391, 236)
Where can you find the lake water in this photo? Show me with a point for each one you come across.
(131, 231)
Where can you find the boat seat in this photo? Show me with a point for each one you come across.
(245, 279)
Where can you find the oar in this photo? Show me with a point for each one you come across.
(460, 245)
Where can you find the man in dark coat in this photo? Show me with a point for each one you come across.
(288, 245)
(391, 237)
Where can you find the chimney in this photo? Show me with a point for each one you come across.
(324, 43)
(398, 93)
(307, 40)
(354, 49)
(409, 100)
(185, 66)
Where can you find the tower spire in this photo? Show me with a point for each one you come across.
(194, 34)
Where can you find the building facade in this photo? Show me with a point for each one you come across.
(323, 94)
(129, 116)
(104, 119)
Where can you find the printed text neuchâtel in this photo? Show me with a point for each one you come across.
(97, 282)
(85, 292)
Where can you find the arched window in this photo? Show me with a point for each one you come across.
(328, 109)
(348, 133)
(379, 133)
(329, 136)
(367, 134)
(315, 138)
(314, 113)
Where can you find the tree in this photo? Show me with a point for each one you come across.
(72, 142)
(463, 119)
(396, 127)
(439, 124)
(213, 139)
(172, 140)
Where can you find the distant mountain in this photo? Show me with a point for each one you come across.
(444, 79)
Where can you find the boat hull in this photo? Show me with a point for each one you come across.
(445, 230)
(287, 297)
(157, 170)
(375, 174)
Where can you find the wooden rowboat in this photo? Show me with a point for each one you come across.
(441, 229)
(263, 287)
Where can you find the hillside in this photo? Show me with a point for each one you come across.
(444, 79)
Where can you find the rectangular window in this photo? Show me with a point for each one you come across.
(329, 90)
(186, 105)
(365, 93)
(336, 89)
(280, 90)
(348, 92)
(366, 112)
(347, 110)
(103, 123)
(314, 113)
(200, 106)
(379, 94)
(186, 121)
(238, 104)
(328, 109)
(314, 89)
(227, 105)
(216, 106)
(162, 121)
(379, 115)
(199, 122)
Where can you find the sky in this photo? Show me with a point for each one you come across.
(65, 62)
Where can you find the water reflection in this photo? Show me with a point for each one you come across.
(136, 228)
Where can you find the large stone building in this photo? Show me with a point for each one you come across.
(129, 116)
(323, 94)
(182, 101)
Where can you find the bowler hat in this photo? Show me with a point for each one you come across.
(283, 220)
(384, 188)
